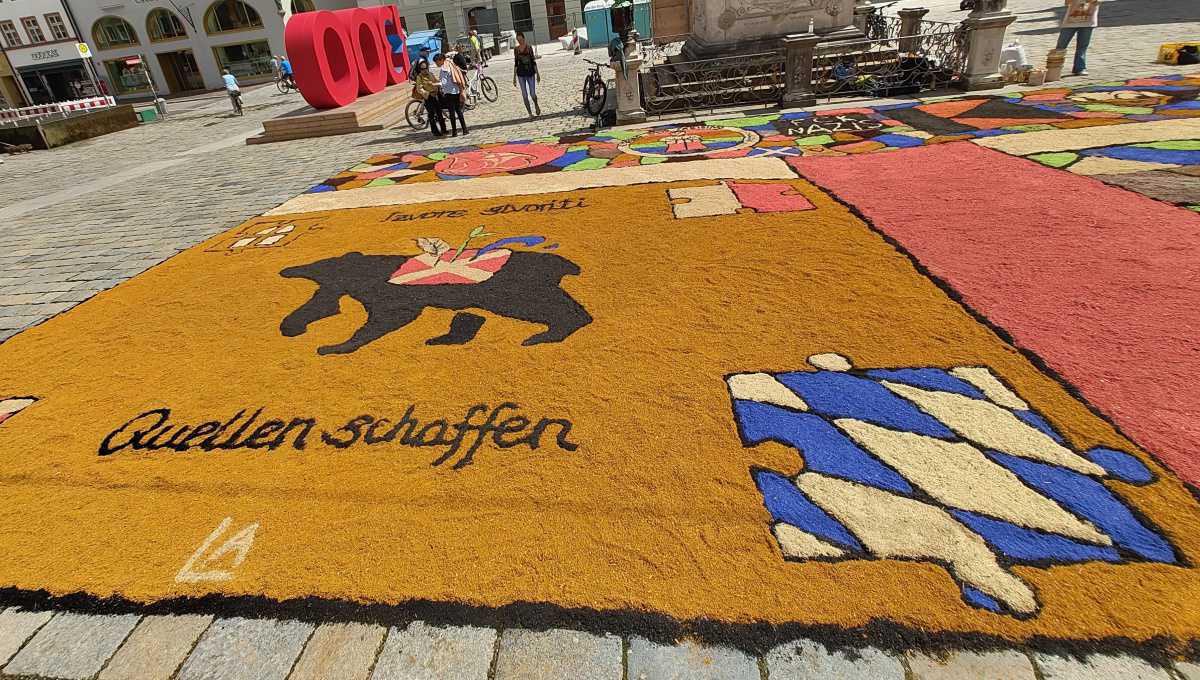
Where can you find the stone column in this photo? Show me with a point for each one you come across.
(910, 26)
(861, 9)
(985, 37)
(798, 65)
(629, 84)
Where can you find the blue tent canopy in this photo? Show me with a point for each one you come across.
(418, 39)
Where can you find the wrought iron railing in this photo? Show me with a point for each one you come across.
(933, 57)
(896, 65)
(714, 83)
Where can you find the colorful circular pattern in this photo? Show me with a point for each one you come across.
(695, 140)
(496, 159)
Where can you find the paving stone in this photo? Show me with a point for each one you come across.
(156, 648)
(339, 650)
(423, 652)
(1098, 666)
(554, 654)
(246, 649)
(688, 661)
(808, 660)
(17, 626)
(1189, 671)
(999, 665)
(72, 646)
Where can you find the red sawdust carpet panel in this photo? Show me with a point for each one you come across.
(1100, 282)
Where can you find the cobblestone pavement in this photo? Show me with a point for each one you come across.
(1124, 46)
(192, 647)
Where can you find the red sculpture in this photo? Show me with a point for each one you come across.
(337, 56)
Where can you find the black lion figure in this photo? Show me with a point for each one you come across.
(526, 288)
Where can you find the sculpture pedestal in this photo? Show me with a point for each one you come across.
(986, 27)
(725, 27)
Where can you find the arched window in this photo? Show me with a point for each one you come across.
(110, 32)
(299, 6)
(230, 15)
(162, 25)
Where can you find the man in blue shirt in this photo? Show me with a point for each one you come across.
(235, 92)
(285, 70)
(451, 93)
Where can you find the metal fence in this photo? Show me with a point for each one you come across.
(893, 65)
(714, 83)
(893, 59)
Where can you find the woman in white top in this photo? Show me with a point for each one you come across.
(1080, 19)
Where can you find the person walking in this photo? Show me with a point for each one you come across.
(481, 54)
(453, 84)
(233, 90)
(526, 74)
(1080, 19)
(427, 90)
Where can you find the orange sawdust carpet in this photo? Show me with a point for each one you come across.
(729, 401)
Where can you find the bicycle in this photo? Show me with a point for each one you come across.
(285, 84)
(479, 85)
(235, 96)
(595, 90)
(414, 113)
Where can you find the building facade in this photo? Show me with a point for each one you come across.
(142, 47)
(540, 20)
(39, 41)
(181, 46)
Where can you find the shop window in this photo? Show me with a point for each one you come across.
(125, 78)
(435, 21)
(9, 30)
(109, 32)
(58, 29)
(246, 61)
(33, 29)
(162, 25)
(522, 18)
(301, 6)
(231, 15)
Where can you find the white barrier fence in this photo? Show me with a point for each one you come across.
(61, 108)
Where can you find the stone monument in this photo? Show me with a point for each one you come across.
(726, 27)
(986, 24)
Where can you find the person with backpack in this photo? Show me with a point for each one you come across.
(526, 73)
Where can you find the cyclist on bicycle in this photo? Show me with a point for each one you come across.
(285, 71)
(235, 92)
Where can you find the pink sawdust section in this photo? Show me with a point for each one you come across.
(1102, 283)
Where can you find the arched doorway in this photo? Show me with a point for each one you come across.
(483, 19)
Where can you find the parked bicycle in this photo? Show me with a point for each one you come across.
(415, 114)
(480, 86)
(595, 90)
